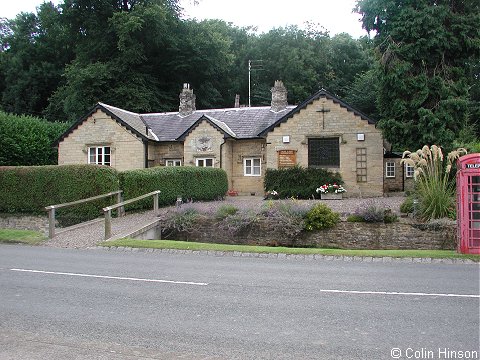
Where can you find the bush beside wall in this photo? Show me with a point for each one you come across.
(28, 189)
(188, 182)
(27, 140)
(299, 182)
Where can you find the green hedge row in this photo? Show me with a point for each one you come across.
(28, 189)
(27, 140)
(299, 182)
(191, 183)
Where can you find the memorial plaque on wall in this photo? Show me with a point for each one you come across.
(287, 158)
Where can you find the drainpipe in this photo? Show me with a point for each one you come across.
(145, 146)
(221, 157)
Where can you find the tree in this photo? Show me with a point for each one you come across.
(425, 49)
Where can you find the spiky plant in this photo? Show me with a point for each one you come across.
(434, 189)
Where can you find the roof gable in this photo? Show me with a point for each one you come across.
(217, 124)
(134, 125)
(319, 94)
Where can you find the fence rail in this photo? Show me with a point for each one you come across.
(108, 210)
(51, 208)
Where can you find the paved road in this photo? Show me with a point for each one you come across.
(95, 304)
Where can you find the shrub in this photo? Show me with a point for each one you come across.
(355, 218)
(29, 189)
(182, 219)
(27, 140)
(225, 210)
(435, 189)
(320, 217)
(189, 182)
(288, 216)
(407, 205)
(373, 212)
(298, 182)
(239, 222)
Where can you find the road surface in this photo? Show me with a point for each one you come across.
(98, 304)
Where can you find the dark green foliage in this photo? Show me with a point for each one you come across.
(407, 206)
(321, 217)
(26, 140)
(190, 183)
(427, 53)
(30, 189)
(135, 54)
(299, 182)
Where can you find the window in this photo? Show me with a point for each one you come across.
(390, 169)
(204, 162)
(99, 155)
(409, 170)
(361, 165)
(252, 167)
(323, 152)
(173, 162)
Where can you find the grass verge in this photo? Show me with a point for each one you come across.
(184, 245)
(28, 237)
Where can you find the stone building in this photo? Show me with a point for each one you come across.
(323, 131)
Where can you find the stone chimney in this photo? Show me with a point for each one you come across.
(187, 101)
(279, 96)
(237, 101)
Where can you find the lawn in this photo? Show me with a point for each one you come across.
(29, 237)
(184, 245)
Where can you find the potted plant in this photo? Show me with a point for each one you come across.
(331, 191)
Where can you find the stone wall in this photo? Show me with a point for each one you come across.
(346, 235)
(159, 153)
(24, 222)
(341, 123)
(247, 185)
(127, 150)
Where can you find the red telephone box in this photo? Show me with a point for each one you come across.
(468, 204)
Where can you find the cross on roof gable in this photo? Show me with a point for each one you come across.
(319, 94)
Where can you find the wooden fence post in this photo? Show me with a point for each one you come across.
(121, 209)
(155, 203)
(108, 224)
(51, 222)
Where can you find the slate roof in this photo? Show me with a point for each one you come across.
(238, 123)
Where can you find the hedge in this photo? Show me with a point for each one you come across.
(299, 182)
(28, 189)
(189, 182)
(27, 140)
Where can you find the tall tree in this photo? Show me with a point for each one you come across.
(425, 48)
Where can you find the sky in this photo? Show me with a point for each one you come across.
(335, 16)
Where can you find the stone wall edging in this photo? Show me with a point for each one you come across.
(24, 222)
(346, 235)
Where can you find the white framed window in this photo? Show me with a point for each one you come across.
(252, 166)
(173, 162)
(409, 170)
(99, 155)
(204, 162)
(390, 169)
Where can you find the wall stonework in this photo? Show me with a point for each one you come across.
(204, 141)
(346, 235)
(245, 149)
(159, 153)
(127, 150)
(24, 222)
(339, 122)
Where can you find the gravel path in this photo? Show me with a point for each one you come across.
(89, 235)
